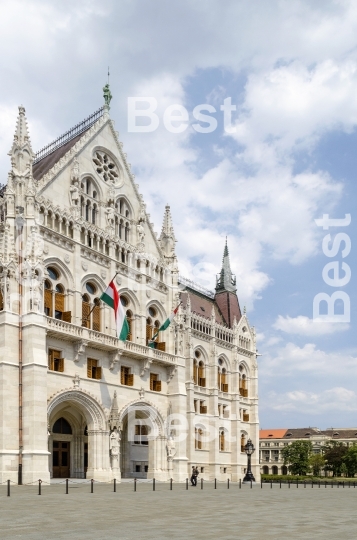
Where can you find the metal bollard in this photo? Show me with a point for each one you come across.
(187, 483)
(240, 483)
(319, 483)
(271, 484)
(115, 485)
(215, 483)
(170, 484)
(289, 483)
(343, 484)
(153, 484)
(280, 483)
(66, 486)
(227, 483)
(297, 482)
(8, 488)
(312, 483)
(39, 487)
(134, 484)
(261, 484)
(91, 485)
(201, 483)
(304, 483)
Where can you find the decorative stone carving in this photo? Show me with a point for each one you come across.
(79, 349)
(142, 393)
(141, 232)
(110, 216)
(145, 366)
(67, 259)
(76, 381)
(84, 266)
(114, 359)
(105, 166)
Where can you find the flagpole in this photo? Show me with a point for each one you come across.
(95, 305)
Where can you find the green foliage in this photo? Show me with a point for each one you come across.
(297, 455)
(316, 462)
(350, 460)
(335, 454)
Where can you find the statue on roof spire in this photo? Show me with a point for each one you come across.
(107, 95)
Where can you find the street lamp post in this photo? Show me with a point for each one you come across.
(249, 450)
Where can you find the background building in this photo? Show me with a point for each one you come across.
(74, 400)
(272, 441)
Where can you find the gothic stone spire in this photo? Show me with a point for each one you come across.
(21, 151)
(167, 237)
(226, 281)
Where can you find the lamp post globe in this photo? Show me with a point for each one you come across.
(249, 450)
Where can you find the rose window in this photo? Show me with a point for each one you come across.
(105, 166)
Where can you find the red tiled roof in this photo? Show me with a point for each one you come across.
(229, 306)
(272, 433)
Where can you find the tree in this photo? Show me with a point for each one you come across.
(334, 453)
(350, 460)
(343, 469)
(296, 455)
(317, 462)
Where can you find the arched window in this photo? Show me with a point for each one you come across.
(91, 311)
(54, 296)
(243, 388)
(265, 469)
(201, 374)
(85, 311)
(222, 376)
(126, 232)
(198, 438)
(62, 426)
(284, 470)
(275, 469)
(94, 213)
(222, 440)
(242, 442)
(149, 328)
(129, 318)
(195, 371)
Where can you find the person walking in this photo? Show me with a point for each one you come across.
(192, 479)
(195, 475)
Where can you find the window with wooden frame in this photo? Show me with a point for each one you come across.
(242, 443)
(96, 315)
(222, 440)
(85, 311)
(155, 384)
(48, 298)
(243, 385)
(225, 411)
(224, 381)
(245, 416)
(148, 330)
(93, 370)
(201, 374)
(55, 360)
(203, 408)
(126, 377)
(129, 318)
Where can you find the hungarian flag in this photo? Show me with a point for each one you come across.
(163, 327)
(111, 297)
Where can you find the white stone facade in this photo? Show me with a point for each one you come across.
(72, 218)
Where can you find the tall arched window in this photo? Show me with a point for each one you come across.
(222, 377)
(242, 442)
(85, 311)
(195, 371)
(129, 318)
(54, 296)
(198, 438)
(222, 440)
(91, 311)
(126, 232)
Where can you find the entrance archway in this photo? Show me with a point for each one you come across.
(143, 442)
(78, 436)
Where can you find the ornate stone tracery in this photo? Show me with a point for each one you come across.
(105, 166)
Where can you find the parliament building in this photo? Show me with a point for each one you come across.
(75, 401)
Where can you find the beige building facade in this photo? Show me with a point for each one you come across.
(76, 401)
(272, 441)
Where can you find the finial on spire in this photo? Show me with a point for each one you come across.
(21, 151)
(167, 237)
(226, 281)
(245, 310)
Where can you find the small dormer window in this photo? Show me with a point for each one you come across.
(288, 434)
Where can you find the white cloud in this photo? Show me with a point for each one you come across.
(300, 361)
(307, 327)
(313, 403)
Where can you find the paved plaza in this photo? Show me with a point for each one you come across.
(211, 514)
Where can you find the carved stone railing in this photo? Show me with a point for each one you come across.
(102, 341)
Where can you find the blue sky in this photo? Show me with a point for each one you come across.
(291, 70)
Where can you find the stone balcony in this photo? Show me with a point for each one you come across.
(97, 340)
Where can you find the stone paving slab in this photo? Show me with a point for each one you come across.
(268, 513)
